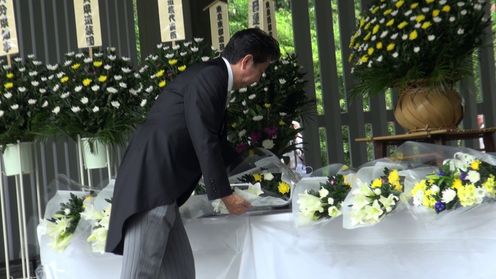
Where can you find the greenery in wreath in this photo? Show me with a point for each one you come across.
(168, 61)
(99, 97)
(24, 101)
(402, 41)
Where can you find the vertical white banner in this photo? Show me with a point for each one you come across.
(269, 7)
(8, 31)
(219, 24)
(88, 28)
(256, 14)
(170, 13)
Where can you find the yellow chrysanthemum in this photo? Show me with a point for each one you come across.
(420, 18)
(267, 105)
(282, 123)
(429, 1)
(475, 164)
(398, 187)
(364, 59)
(426, 25)
(489, 185)
(10, 75)
(378, 45)
(370, 51)
(421, 186)
(76, 66)
(257, 177)
(376, 29)
(367, 26)
(160, 73)
(362, 22)
(388, 12)
(394, 177)
(172, 62)
(162, 83)
(350, 57)
(376, 183)
(8, 85)
(446, 8)
(374, 9)
(402, 25)
(97, 64)
(467, 195)
(87, 81)
(457, 184)
(390, 22)
(399, 4)
(182, 68)
(435, 12)
(413, 35)
(64, 79)
(102, 78)
(414, 5)
(428, 200)
(390, 47)
(283, 188)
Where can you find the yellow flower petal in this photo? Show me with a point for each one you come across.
(402, 25)
(399, 4)
(429, 1)
(426, 25)
(172, 62)
(387, 12)
(181, 68)
(283, 188)
(390, 47)
(10, 75)
(75, 66)
(87, 81)
(97, 64)
(435, 13)
(370, 51)
(8, 85)
(160, 73)
(364, 59)
(376, 29)
(420, 18)
(102, 78)
(414, 5)
(64, 79)
(367, 37)
(390, 22)
(475, 164)
(413, 35)
(257, 177)
(446, 8)
(266, 105)
(162, 83)
(378, 45)
(376, 183)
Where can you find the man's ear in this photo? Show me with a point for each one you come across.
(246, 61)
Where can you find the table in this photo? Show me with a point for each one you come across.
(461, 245)
(435, 136)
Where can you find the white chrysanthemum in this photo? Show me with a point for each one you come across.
(257, 118)
(437, 19)
(1, 113)
(205, 58)
(407, 13)
(448, 195)
(404, 37)
(75, 109)
(176, 47)
(252, 96)
(282, 81)
(118, 77)
(115, 104)
(14, 106)
(112, 57)
(452, 19)
(194, 49)
(241, 133)
(384, 34)
(394, 13)
(33, 73)
(425, 9)
(379, 59)
(31, 101)
(143, 69)
(143, 103)
(98, 54)
(60, 74)
(126, 70)
(245, 111)
(323, 192)
(35, 83)
(416, 49)
(198, 40)
(21, 89)
(67, 63)
(395, 55)
(84, 100)
(478, 7)
(435, 189)
(330, 201)
(78, 88)
(333, 211)
(394, 36)
(123, 84)
(96, 109)
(268, 143)
(187, 44)
(283, 114)
(460, 31)
(253, 84)
(125, 58)
(473, 176)
(107, 67)
(243, 90)
(95, 87)
(56, 110)
(268, 176)
(8, 95)
(45, 104)
(23, 69)
(169, 55)
(56, 88)
(88, 60)
(79, 55)
(243, 103)
(377, 191)
(183, 53)
(431, 37)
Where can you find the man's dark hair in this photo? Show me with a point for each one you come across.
(252, 41)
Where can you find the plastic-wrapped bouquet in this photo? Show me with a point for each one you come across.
(463, 181)
(370, 202)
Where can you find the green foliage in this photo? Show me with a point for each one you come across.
(97, 97)
(398, 42)
(24, 101)
(336, 188)
(271, 183)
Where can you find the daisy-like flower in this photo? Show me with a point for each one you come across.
(115, 104)
(75, 109)
(56, 110)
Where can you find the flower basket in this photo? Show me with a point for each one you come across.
(94, 153)
(421, 107)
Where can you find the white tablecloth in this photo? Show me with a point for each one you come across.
(269, 246)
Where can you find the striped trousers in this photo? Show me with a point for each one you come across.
(156, 246)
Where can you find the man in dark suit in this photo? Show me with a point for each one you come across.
(183, 138)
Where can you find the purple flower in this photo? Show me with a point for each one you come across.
(441, 173)
(241, 147)
(463, 175)
(439, 206)
(255, 137)
(271, 132)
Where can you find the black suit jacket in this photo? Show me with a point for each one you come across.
(183, 137)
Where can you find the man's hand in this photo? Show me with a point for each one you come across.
(236, 204)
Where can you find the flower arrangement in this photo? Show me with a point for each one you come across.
(24, 101)
(61, 227)
(100, 225)
(461, 182)
(98, 97)
(372, 202)
(401, 41)
(327, 202)
(269, 183)
(261, 115)
(169, 61)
